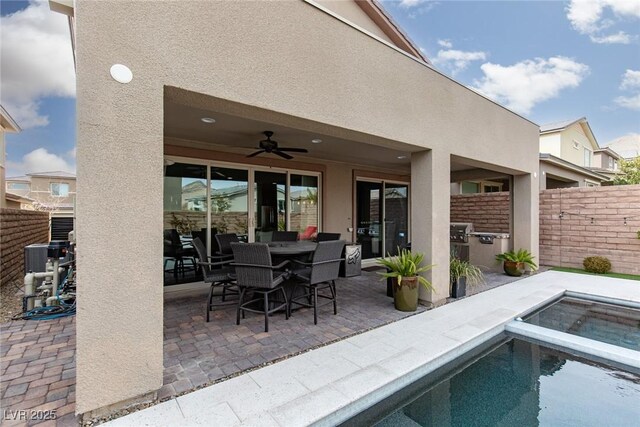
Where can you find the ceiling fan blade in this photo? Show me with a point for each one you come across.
(294, 150)
(256, 153)
(281, 154)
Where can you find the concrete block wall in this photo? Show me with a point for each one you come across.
(19, 228)
(488, 212)
(593, 224)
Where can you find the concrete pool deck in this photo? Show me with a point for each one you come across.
(329, 385)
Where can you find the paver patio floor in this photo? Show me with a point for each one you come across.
(197, 353)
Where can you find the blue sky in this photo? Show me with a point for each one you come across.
(548, 60)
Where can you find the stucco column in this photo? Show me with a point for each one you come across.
(119, 235)
(430, 202)
(525, 194)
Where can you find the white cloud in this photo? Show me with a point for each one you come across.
(620, 38)
(36, 61)
(445, 43)
(630, 82)
(630, 102)
(586, 16)
(41, 160)
(457, 60)
(411, 3)
(525, 84)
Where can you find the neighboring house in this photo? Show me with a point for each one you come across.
(606, 162)
(195, 85)
(628, 146)
(7, 124)
(567, 155)
(54, 192)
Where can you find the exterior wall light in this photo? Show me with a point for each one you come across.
(121, 73)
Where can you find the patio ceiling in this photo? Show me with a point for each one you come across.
(236, 134)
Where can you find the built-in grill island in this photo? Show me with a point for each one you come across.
(483, 248)
(459, 239)
(479, 248)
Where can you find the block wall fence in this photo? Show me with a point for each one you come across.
(19, 228)
(574, 223)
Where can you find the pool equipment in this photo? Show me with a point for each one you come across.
(54, 297)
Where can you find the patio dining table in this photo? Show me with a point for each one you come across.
(300, 250)
(291, 249)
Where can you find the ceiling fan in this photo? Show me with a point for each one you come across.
(270, 146)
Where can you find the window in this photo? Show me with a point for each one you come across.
(59, 189)
(24, 186)
(470, 187)
(587, 157)
(611, 163)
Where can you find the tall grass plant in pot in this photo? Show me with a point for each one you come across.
(463, 273)
(405, 269)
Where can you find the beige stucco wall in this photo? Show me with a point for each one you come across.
(575, 133)
(551, 143)
(350, 11)
(284, 56)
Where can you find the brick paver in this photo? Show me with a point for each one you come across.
(37, 371)
(197, 353)
(37, 358)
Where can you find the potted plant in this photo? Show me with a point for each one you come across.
(463, 273)
(405, 269)
(514, 263)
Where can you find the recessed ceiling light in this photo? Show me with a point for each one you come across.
(402, 157)
(229, 177)
(208, 120)
(316, 141)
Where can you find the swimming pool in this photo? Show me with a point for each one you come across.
(612, 324)
(514, 383)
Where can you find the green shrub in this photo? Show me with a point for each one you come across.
(597, 264)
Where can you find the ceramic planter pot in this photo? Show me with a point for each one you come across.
(512, 268)
(405, 295)
(459, 287)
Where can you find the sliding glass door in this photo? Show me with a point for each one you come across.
(382, 217)
(269, 196)
(204, 198)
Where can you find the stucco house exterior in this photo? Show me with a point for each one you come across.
(53, 192)
(7, 124)
(339, 79)
(569, 153)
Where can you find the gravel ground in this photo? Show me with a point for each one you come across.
(10, 301)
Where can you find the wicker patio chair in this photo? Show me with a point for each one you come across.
(256, 274)
(224, 241)
(176, 251)
(284, 236)
(319, 274)
(219, 274)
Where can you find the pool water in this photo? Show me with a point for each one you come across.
(517, 384)
(598, 321)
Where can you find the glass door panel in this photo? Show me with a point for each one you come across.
(303, 202)
(229, 202)
(396, 217)
(185, 212)
(369, 218)
(269, 197)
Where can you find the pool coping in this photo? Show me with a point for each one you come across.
(329, 385)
